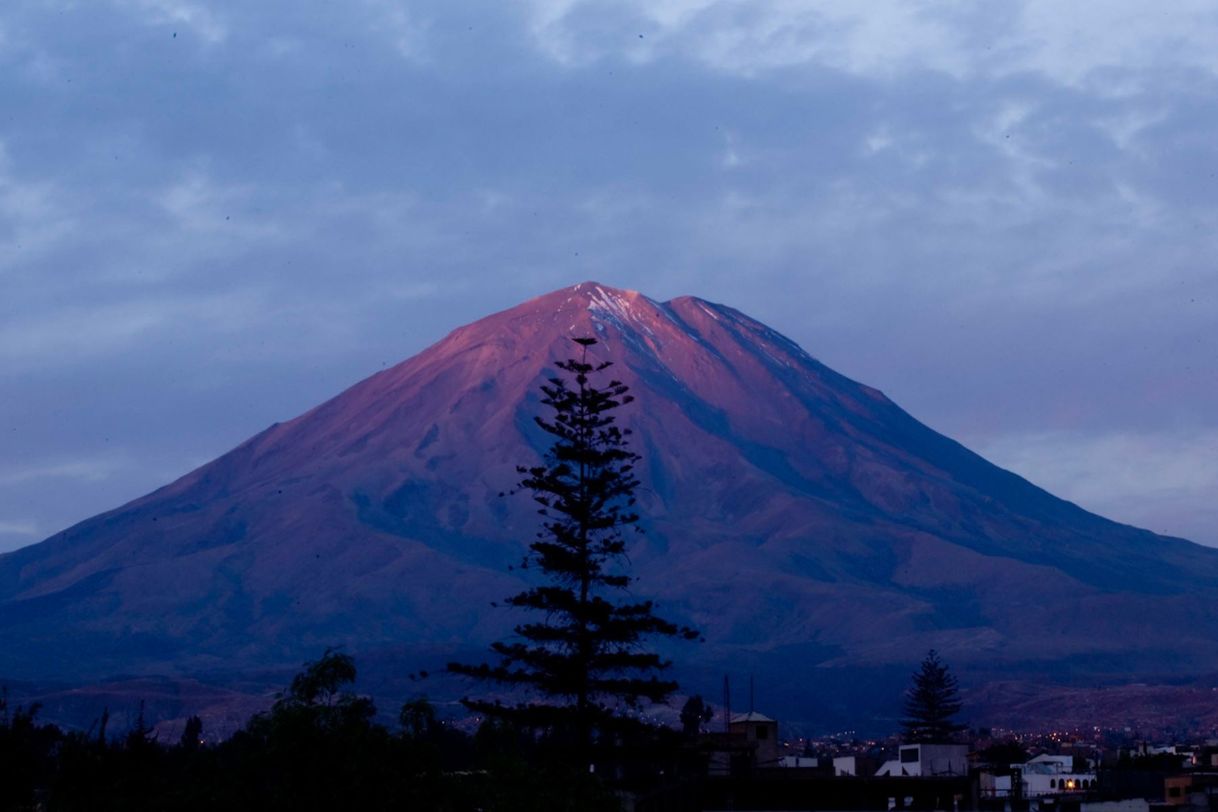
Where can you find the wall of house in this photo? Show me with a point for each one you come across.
(1037, 784)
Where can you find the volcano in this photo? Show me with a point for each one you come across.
(821, 537)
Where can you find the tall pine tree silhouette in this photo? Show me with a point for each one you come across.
(582, 654)
(931, 702)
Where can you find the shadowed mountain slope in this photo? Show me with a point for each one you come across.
(811, 527)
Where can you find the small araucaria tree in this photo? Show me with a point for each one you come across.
(582, 655)
(931, 703)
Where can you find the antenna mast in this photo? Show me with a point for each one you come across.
(727, 705)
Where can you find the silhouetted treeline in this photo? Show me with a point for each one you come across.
(319, 747)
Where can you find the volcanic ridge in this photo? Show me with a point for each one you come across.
(821, 537)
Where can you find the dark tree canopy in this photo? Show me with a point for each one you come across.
(192, 734)
(317, 748)
(931, 703)
(694, 714)
(581, 655)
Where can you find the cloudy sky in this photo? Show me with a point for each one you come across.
(214, 215)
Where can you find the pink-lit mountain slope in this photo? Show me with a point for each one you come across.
(813, 529)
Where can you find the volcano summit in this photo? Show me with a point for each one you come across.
(821, 537)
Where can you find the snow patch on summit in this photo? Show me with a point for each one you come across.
(623, 310)
(635, 316)
(612, 305)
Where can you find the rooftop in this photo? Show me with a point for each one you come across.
(751, 716)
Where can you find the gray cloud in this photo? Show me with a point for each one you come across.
(1082, 44)
(212, 216)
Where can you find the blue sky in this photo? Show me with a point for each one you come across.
(215, 215)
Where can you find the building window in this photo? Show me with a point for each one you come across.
(1052, 783)
(909, 755)
(762, 732)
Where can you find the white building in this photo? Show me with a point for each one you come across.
(845, 765)
(1053, 775)
(761, 732)
(925, 760)
(804, 762)
(994, 786)
(1043, 775)
(1063, 764)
